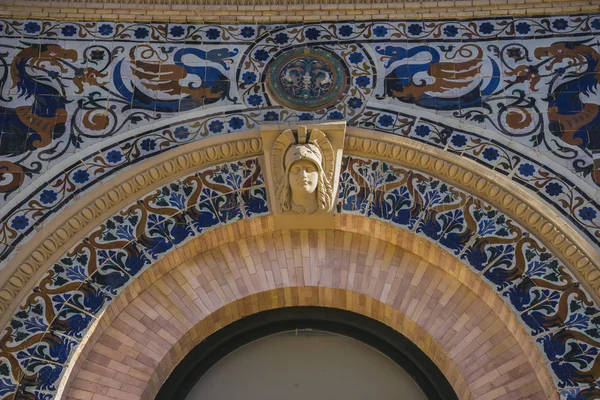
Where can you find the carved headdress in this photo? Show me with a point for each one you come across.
(293, 146)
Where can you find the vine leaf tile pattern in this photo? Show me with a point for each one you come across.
(39, 340)
(554, 309)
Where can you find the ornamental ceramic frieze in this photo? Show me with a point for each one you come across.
(542, 178)
(67, 86)
(81, 101)
(522, 166)
(119, 86)
(556, 311)
(38, 344)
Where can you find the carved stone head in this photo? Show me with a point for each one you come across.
(302, 168)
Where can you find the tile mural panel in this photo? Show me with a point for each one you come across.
(47, 328)
(81, 101)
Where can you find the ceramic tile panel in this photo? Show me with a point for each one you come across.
(82, 101)
(40, 339)
(104, 96)
(555, 310)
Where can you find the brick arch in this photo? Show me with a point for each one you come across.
(392, 276)
(96, 274)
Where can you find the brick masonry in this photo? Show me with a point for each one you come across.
(391, 276)
(117, 11)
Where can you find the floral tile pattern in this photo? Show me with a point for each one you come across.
(554, 309)
(54, 318)
(48, 327)
(576, 206)
(81, 101)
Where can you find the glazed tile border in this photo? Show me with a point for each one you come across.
(88, 109)
(39, 341)
(96, 167)
(560, 316)
(556, 312)
(417, 30)
(577, 207)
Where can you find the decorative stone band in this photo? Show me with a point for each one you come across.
(52, 241)
(529, 212)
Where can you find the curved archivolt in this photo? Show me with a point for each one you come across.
(39, 343)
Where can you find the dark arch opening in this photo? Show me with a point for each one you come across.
(366, 330)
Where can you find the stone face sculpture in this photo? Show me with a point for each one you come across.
(303, 167)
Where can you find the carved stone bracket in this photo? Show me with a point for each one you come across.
(302, 168)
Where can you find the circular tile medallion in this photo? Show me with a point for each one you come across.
(306, 79)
